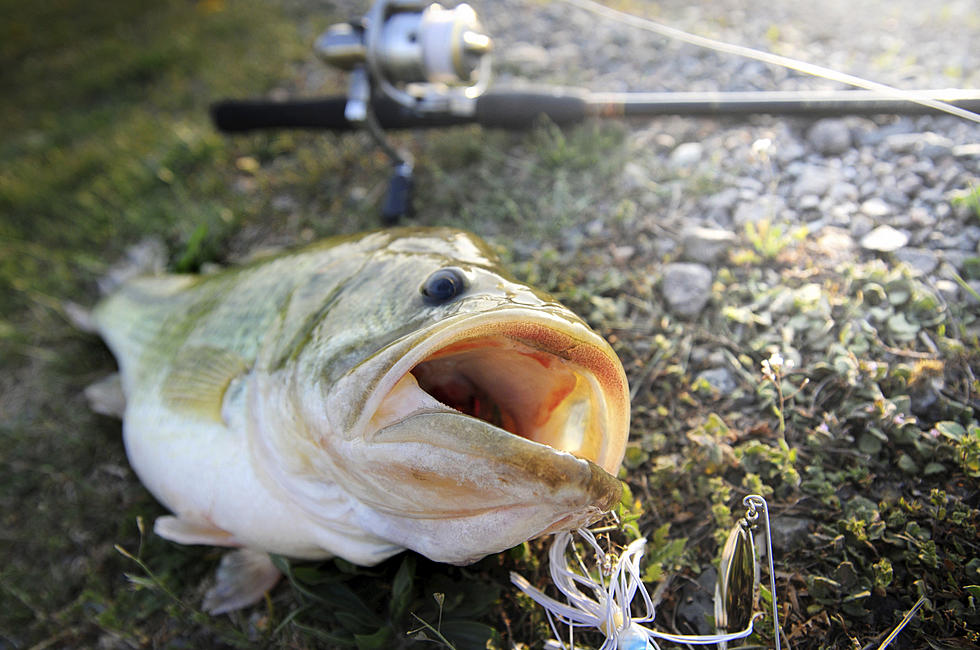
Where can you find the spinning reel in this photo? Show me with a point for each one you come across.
(426, 59)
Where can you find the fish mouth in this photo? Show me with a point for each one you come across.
(530, 374)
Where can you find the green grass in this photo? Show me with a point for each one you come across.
(103, 106)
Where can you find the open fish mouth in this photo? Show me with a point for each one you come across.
(532, 375)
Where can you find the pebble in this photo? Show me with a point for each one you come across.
(148, 257)
(956, 258)
(686, 154)
(861, 224)
(808, 202)
(835, 245)
(721, 379)
(789, 533)
(875, 208)
(921, 260)
(971, 296)
(717, 208)
(528, 55)
(830, 137)
(815, 179)
(884, 239)
(971, 150)
(948, 289)
(853, 174)
(707, 245)
(695, 602)
(686, 287)
(770, 207)
(927, 144)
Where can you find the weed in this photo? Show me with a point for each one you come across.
(769, 240)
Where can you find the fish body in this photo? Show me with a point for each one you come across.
(365, 395)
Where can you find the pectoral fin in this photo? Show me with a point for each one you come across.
(182, 531)
(200, 376)
(106, 396)
(243, 577)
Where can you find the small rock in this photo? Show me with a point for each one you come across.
(814, 179)
(789, 533)
(707, 245)
(686, 154)
(920, 260)
(787, 150)
(749, 187)
(830, 137)
(721, 379)
(971, 296)
(622, 254)
(808, 202)
(861, 225)
(768, 207)
(927, 144)
(528, 55)
(843, 192)
(956, 258)
(284, 203)
(148, 257)
(971, 150)
(686, 288)
(948, 289)
(875, 208)
(836, 245)
(695, 603)
(718, 207)
(884, 239)
(635, 176)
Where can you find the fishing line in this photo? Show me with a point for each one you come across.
(805, 67)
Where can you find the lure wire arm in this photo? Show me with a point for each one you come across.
(755, 502)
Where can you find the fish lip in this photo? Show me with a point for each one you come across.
(542, 329)
(577, 489)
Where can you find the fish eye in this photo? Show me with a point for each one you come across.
(444, 285)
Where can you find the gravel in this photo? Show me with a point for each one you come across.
(886, 184)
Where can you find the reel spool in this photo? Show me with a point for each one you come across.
(422, 57)
(427, 58)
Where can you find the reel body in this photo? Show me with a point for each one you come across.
(424, 57)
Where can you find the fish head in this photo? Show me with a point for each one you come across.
(482, 412)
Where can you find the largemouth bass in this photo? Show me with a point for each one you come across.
(362, 396)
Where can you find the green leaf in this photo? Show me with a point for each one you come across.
(951, 430)
(352, 622)
(379, 639)
(401, 588)
(469, 635)
(934, 468)
(901, 328)
(907, 465)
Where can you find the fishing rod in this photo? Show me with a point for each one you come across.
(417, 65)
(521, 108)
